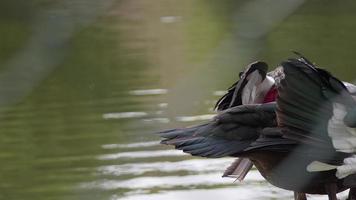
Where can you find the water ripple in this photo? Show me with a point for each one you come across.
(194, 165)
(131, 145)
(148, 92)
(208, 179)
(227, 193)
(162, 120)
(243, 192)
(142, 154)
(170, 19)
(162, 182)
(195, 118)
(124, 115)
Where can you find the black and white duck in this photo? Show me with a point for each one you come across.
(295, 124)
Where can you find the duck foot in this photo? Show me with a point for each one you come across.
(352, 194)
(299, 196)
(331, 189)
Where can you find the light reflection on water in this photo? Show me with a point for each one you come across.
(148, 92)
(228, 193)
(166, 182)
(194, 165)
(132, 145)
(141, 154)
(124, 115)
(194, 118)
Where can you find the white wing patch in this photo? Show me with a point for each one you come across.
(343, 137)
(348, 168)
(317, 166)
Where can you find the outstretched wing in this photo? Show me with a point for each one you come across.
(306, 101)
(302, 109)
(228, 134)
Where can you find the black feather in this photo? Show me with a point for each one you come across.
(228, 134)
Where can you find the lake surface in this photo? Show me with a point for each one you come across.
(85, 84)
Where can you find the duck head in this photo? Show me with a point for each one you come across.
(253, 85)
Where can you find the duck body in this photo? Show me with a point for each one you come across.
(283, 127)
(305, 111)
(277, 169)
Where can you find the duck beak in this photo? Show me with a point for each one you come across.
(254, 74)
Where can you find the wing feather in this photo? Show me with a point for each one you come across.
(301, 105)
(225, 135)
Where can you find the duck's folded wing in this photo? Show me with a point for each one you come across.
(228, 134)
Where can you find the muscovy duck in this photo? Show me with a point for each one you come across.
(290, 141)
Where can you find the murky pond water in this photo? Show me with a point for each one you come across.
(84, 85)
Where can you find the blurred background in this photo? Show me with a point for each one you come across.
(84, 84)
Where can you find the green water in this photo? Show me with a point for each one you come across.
(85, 83)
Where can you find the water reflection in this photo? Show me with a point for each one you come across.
(84, 84)
(124, 115)
(132, 145)
(149, 92)
(194, 118)
(228, 193)
(162, 182)
(157, 119)
(141, 154)
(194, 165)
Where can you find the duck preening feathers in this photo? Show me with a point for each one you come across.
(296, 124)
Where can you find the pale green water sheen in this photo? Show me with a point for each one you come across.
(84, 84)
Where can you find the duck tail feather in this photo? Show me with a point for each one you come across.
(238, 169)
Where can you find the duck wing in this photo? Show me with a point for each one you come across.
(228, 134)
(234, 97)
(303, 104)
(224, 102)
(315, 107)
